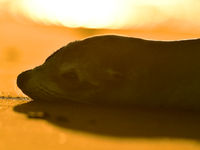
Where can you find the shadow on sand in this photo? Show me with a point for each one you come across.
(115, 121)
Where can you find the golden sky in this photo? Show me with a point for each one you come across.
(183, 14)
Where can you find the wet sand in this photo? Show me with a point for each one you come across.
(59, 129)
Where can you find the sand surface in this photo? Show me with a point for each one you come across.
(30, 125)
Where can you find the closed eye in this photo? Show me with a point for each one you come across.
(70, 75)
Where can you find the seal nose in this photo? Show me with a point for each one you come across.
(22, 79)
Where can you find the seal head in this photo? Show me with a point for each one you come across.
(119, 70)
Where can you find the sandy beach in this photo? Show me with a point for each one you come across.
(28, 125)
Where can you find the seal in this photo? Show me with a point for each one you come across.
(119, 70)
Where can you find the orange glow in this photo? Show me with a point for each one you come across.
(182, 14)
(76, 13)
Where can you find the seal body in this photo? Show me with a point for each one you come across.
(119, 70)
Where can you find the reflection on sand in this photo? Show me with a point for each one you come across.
(118, 122)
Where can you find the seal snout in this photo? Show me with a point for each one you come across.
(22, 79)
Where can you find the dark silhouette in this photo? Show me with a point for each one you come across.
(118, 70)
(119, 86)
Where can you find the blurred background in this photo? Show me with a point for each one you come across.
(30, 30)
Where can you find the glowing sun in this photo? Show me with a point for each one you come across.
(76, 13)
